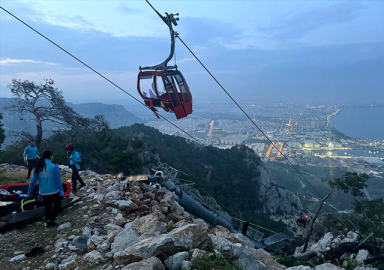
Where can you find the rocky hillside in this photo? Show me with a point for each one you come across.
(125, 225)
(276, 199)
(237, 181)
(130, 225)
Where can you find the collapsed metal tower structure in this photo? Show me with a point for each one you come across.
(168, 177)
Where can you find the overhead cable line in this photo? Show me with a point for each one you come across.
(105, 78)
(229, 95)
(178, 36)
(185, 132)
(164, 118)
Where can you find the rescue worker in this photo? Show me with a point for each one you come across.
(31, 153)
(50, 186)
(74, 158)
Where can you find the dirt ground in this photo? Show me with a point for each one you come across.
(21, 240)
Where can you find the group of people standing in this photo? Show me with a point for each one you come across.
(48, 175)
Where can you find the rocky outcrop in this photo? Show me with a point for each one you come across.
(151, 263)
(183, 238)
(332, 248)
(174, 262)
(276, 199)
(137, 230)
(131, 225)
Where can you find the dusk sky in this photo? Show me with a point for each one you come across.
(261, 51)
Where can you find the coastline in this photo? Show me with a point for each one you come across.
(359, 122)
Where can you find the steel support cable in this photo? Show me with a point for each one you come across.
(114, 84)
(253, 122)
(229, 95)
(256, 225)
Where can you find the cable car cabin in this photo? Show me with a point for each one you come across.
(303, 221)
(165, 89)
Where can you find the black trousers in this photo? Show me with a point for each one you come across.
(75, 177)
(51, 213)
(31, 165)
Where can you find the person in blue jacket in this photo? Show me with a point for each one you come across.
(74, 158)
(50, 186)
(31, 153)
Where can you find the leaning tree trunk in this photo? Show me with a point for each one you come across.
(39, 135)
(314, 219)
(374, 259)
(374, 240)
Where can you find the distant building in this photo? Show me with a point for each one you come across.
(334, 145)
(308, 144)
(311, 144)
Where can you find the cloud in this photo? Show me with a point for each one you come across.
(72, 22)
(39, 13)
(18, 61)
(127, 10)
(297, 25)
(298, 71)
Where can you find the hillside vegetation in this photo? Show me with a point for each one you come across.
(231, 178)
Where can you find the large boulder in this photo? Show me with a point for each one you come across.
(246, 257)
(196, 253)
(80, 242)
(183, 238)
(152, 263)
(300, 267)
(174, 262)
(112, 231)
(267, 259)
(94, 242)
(221, 244)
(220, 231)
(137, 230)
(240, 238)
(327, 266)
(351, 237)
(93, 256)
(362, 255)
(127, 206)
(323, 243)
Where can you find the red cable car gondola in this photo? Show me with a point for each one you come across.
(165, 85)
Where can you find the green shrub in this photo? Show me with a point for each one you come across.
(351, 264)
(169, 227)
(291, 261)
(216, 261)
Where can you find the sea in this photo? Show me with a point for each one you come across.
(361, 122)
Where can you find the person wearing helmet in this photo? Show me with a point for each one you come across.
(74, 158)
